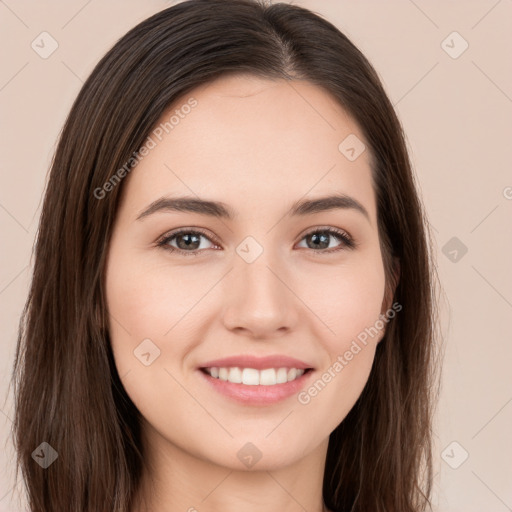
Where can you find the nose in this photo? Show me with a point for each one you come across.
(260, 300)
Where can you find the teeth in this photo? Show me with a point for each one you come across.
(282, 375)
(268, 377)
(235, 375)
(253, 377)
(250, 376)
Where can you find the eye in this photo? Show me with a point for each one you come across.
(188, 241)
(320, 239)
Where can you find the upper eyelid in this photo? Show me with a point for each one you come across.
(173, 233)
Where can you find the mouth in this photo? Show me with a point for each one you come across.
(255, 387)
(255, 377)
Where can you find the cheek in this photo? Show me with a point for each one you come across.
(149, 307)
(346, 298)
(359, 302)
(331, 396)
(348, 302)
(154, 309)
(150, 300)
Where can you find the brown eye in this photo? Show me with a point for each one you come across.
(187, 242)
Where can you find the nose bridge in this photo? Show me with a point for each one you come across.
(259, 298)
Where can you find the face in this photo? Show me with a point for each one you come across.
(255, 276)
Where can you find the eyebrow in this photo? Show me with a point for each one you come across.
(223, 211)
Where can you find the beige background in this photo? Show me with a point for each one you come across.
(457, 116)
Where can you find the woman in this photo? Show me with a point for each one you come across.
(287, 365)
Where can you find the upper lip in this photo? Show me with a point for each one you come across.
(258, 363)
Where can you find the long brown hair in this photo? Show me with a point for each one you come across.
(67, 390)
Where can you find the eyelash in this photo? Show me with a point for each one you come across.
(347, 241)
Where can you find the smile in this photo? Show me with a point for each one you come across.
(249, 386)
(254, 377)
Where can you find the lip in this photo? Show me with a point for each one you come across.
(258, 363)
(257, 395)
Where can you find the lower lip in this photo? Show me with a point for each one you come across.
(257, 395)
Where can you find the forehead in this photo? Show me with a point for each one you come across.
(251, 141)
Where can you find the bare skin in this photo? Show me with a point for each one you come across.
(258, 146)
